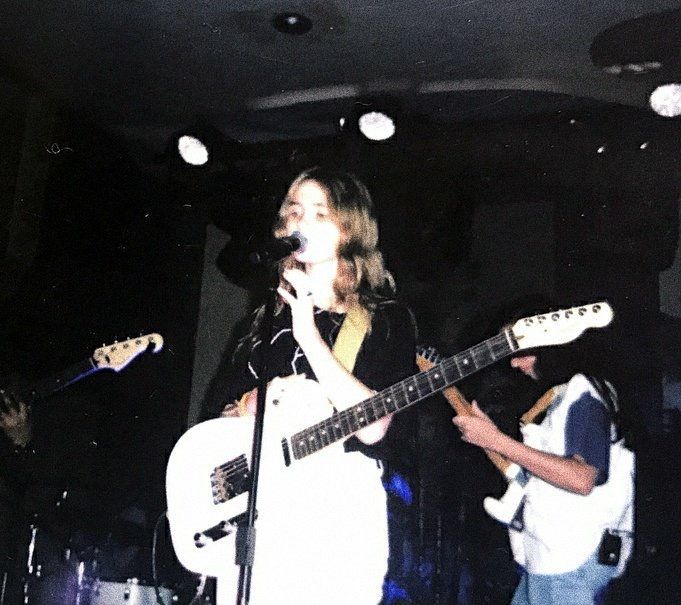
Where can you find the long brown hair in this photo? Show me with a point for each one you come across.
(361, 278)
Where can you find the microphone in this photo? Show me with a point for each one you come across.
(278, 248)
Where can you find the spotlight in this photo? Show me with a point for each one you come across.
(665, 100)
(376, 126)
(192, 150)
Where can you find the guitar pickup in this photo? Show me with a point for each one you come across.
(218, 531)
(230, 480)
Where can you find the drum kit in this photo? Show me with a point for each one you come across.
(131, 592)
(54, 575)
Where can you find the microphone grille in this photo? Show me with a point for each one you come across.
(301, 239)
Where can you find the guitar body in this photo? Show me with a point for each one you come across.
(189, 488)
(320, 508)
(505, 509)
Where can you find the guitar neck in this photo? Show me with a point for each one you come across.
(48, 386)
(462, 407)
(402, 395)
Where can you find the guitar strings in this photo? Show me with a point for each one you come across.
(315, 437)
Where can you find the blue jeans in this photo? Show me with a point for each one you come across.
(584, 586)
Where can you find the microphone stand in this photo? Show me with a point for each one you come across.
(245, 535)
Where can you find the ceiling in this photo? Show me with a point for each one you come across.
(147, 69)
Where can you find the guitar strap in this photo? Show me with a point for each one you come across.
(542, 404)
(351, 335)
(345, 349)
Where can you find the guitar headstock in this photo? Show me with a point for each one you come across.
(118, 355)
(562, 326)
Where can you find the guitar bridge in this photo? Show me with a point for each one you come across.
(230, 479)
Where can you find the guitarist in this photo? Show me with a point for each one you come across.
(46, 466)
(331, 544)
(579, 483)
(63, 485)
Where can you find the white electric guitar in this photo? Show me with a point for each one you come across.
(208, 473)
(506, 509)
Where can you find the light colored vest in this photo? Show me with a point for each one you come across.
(563, 529)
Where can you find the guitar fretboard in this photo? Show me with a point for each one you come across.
(48, 386)
(401, 395)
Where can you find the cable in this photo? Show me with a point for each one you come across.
(154, 571)
(202, 579)
(199, 590)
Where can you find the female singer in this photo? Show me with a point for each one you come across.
(322, 536)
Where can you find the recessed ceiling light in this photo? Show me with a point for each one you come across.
(294, 24)
(192, 150)
(376, 126)
(665, 100)
(643, 67)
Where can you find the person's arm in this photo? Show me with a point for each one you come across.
(340, 386)
(572, 473)
(233, 377)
